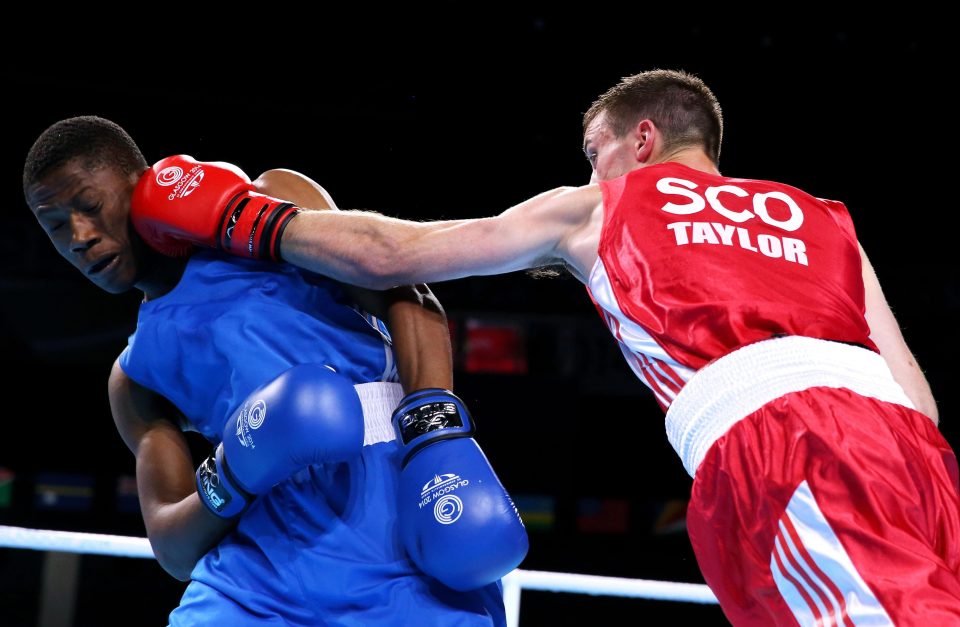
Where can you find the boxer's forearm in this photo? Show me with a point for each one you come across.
(416, 320)
(361, 248)
(181, 533)
(178, 525)
(421, 338)
(364, 250)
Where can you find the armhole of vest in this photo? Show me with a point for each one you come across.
(608, 200)
(124, 359)
(609, 205)
(841, 215)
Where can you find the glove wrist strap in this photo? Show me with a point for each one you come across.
(430, 415)
(219, 489)
(252, 225)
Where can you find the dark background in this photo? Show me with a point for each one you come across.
(442, 116)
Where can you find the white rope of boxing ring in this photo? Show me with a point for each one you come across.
(513, 583)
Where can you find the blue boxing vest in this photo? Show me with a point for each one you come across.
(231, 325)
(321, 548)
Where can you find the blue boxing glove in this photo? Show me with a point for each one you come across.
(307, 415)
(457, 521)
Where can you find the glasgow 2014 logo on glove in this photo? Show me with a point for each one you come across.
(251, 417)
(447, 507)
(185, 183)
(168, 176)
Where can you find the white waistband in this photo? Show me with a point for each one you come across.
(378, 400)
(740, 383)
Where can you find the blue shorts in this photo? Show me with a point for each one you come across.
(323, 549)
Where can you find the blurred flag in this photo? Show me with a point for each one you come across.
(6, 487)
(60, 491)
(494, 347)
(536, 510)
(127, 498)
(672, 518)
(602, 515)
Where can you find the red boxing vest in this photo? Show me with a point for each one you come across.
(693, 265)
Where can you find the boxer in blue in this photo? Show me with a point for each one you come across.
(294, 518)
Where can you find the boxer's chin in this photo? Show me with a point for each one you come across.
(114, 274)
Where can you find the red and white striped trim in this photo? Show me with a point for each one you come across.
(814, 573)
(741, 382)
(645, 356)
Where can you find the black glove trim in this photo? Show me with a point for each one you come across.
(438, 410)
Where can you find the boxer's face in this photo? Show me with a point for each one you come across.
(610, 156)
(85, 214)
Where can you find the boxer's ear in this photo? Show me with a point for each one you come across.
(646, 139)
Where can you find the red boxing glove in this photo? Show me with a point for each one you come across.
(180, 202)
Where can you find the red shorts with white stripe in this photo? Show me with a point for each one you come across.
(825, 507)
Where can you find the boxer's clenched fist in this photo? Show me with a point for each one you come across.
(180, 202)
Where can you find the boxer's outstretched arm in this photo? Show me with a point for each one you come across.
(886, 334)
(378, 252)
(179, 527)
(414, 316)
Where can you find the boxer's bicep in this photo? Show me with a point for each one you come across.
(528, 235)
(886, 334)
(147, 424)
(178, 526)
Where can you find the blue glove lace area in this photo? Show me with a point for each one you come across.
(429, 415)
(215, 491)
